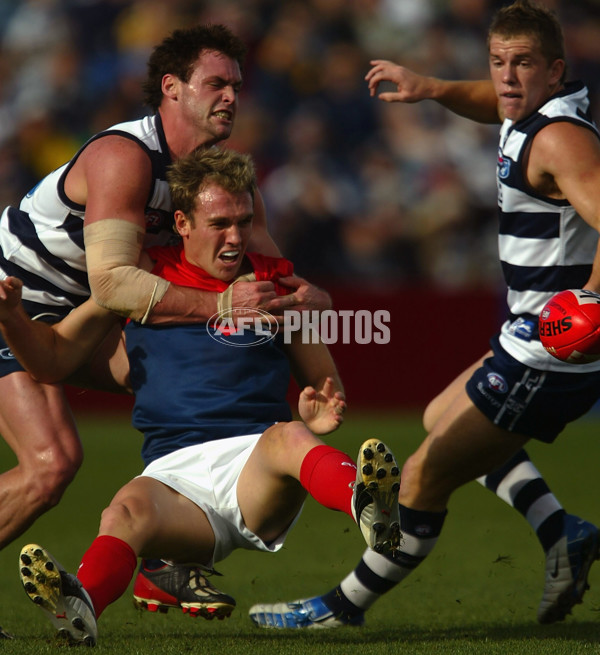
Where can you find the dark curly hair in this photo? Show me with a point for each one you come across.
(178, 53)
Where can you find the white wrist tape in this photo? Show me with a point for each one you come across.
(225, 298)
(112, 248)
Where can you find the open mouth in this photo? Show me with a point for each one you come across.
(229, 256)
(223, 114)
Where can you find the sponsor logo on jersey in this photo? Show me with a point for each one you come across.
(158, 219)
(249, 327)
(522, 328)
(497, 383)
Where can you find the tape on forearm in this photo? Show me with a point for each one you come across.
(225, 298)
(112, 250)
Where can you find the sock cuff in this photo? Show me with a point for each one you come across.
(313, 457)
(118, 546)
(421, 524)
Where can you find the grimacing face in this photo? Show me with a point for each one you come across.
(209, 99)
(218, 239)
(523, 79)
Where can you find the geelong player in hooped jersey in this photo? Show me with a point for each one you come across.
(549, 217)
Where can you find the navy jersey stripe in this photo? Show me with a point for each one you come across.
(533, 225)
(73, 226)
(21, 226)
(547, 278)
(34, 281)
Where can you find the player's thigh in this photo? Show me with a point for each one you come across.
(35, 419)
(268, 491)
(442, 401)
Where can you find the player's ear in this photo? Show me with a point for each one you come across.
(182, 223)
(170, 86)
(557, 70)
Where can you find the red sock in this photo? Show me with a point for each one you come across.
(327, 474)
(106, 570)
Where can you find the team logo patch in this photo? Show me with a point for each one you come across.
(497, 383)
(6, 353)
(250, 327)
(503, 166)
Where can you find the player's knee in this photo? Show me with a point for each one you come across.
(291, 436)
(129, 514)
(48, 478)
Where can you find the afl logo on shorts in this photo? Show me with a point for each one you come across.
(497, 383)
(5, 353)
(250, 327)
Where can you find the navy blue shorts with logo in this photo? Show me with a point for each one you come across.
(48, 314)
(528, 401)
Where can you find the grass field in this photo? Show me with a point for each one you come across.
(477, 593)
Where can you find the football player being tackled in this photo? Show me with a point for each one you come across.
(226, 467)
(549, 212)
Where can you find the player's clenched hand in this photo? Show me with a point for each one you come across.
(254, 295)
(411, 87)
(322, 410)
(302, 296)
(10, 296)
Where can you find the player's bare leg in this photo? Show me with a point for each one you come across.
(462, 446)
(269, 492)
(289, 460)
(158, 522)
(35, 421)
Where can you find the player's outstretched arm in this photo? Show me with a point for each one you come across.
(51, 352)
(473, 99)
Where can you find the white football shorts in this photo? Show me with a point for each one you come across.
(208, 474)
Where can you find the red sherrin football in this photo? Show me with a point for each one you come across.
(570, 326)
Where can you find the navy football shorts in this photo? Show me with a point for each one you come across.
(528, 401)
(48, 314)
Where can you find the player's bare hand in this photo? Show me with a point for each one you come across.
(322, 409)
(254, 295)
(302, 296)
(10, 296)
(411, 87)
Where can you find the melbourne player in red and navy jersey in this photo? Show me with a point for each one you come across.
(227, 467)
(189, 387)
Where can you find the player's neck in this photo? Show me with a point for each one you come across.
(180, 136)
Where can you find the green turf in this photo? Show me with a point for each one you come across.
(477, 592)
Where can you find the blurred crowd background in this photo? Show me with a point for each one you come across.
(356, 190)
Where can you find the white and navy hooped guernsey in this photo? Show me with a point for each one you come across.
(41, 241)
(544, 245)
